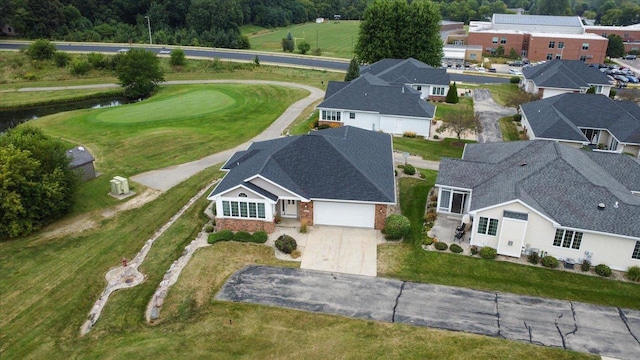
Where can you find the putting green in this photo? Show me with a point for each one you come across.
(180, 106)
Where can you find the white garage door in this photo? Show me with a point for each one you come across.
(344, 214)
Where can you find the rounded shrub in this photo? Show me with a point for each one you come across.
(409, 169)
(61, 58)
(80, 67)
(242, 236)
(455, 248)
(488, 253)
(208, 228)
(533, 258)
(550, 262)
(633, 273)
(473, 249)
(514, 80)
(585, 266)
(441, 246)
(222, 235)
(259, 237)
(397, 227)
(286, 244)
(603, 270)
(41, 49)
(427, 241)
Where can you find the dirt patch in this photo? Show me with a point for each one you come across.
(85, 222)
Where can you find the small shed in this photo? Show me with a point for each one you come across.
(82, 162)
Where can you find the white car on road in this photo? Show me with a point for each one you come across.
(515, 72)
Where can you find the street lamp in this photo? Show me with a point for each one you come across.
(149, 25)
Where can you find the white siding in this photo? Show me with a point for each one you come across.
(553, 92)
(399, 125)
(272, 188)
(363, 120)
(612, 250)
(236, 192)
(344, 214)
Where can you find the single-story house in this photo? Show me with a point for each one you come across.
(546, 197)
(342, 177)
(432, 83)
(82, 162)
(585, 120)
(371, 103)
(557, 77)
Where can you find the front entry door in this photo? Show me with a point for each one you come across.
(289, 208)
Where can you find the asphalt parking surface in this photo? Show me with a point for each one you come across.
(489, 113)
(602, 330)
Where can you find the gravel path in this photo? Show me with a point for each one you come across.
(490, 113)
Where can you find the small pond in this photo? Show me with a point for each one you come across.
(11, 118)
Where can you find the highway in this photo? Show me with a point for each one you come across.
(302, 61)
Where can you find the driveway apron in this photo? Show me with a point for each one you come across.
(595, 329)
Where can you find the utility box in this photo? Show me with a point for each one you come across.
(119, 185)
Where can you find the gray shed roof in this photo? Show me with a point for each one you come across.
(537, 20)
(562, 116)
(407, 71)
(565, 74)
(370, 93)
(344, 163)
(561, 182)
(79, 156)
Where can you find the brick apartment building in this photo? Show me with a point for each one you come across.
(630, 34)
(538, 37)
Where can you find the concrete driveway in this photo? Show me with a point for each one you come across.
(602, 330)
(490, 112)
(341, 250)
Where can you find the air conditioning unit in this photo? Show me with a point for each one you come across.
(588, 253)
(119, 185)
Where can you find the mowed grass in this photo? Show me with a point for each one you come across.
(464, 107)
(409, 262)
(180, 124)
(49, 285)
(335, 38)
(431, 150)
(509, 129)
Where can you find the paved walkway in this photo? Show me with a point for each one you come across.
(490, 113)
(570, 325)
(166, 178)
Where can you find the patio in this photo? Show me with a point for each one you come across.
(444, 229)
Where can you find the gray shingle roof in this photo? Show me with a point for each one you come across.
(369, 93)
(561, 182)
(345, 163)
(79, 156)
(408, 71)
(561, 116)
(539, 20)
(565, 74)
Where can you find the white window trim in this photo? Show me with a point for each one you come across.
(248, 217)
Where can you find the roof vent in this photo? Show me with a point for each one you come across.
(616, 205)
(80, 148)
(601, 206)
(523, 164)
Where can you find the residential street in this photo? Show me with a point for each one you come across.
(490, 112)
(581, 327)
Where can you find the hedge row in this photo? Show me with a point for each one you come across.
(259, 237)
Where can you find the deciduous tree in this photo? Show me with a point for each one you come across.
(394, 29)
(139, 73)
(461, 123)
(615, 47)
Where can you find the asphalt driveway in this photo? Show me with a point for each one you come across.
(490, 113)
(582, 327)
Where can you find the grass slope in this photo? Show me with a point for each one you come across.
(335, 38)
(431, 150)
(181, 123)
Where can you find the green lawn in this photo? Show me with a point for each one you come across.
(181, 123)
(464, 106)
(431, 150)
(508, 129)
(336, 39)
(410, 262)
(499, 92)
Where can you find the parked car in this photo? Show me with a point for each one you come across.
(630, 57)
(622, 78)
(515, 63)
(612, 81)
(633, 79)
(515, 72)
(493, 70)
